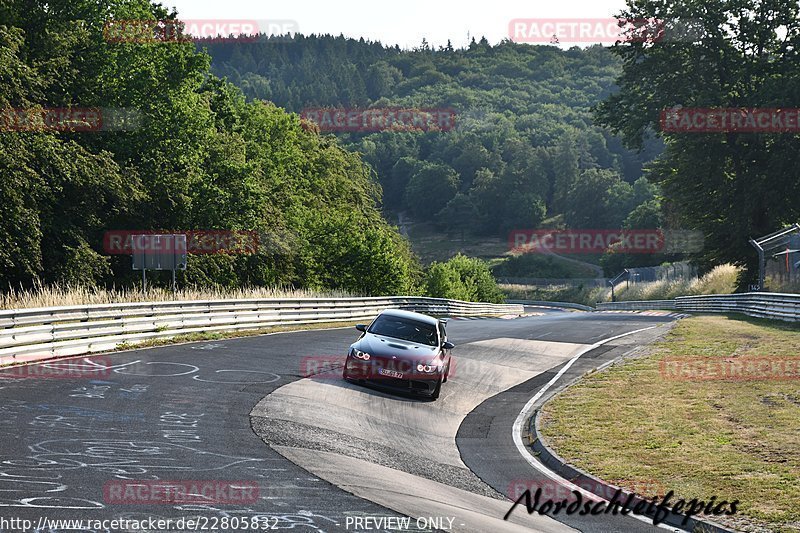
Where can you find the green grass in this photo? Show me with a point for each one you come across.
(431, 245)
(579, 294)
(532, 265)
(720, 280)
(735, 439)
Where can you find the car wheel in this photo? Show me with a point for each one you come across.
(446, 373)
(437, 390)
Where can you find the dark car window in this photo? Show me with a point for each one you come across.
(442, 332)
(405, 329)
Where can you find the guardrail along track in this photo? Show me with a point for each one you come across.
(35, 334)
(757, 304)
(543, 303)
(636, 305)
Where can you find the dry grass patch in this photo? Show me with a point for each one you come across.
(55, 295)
(736, 439)
(720, 280)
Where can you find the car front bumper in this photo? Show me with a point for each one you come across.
(414, 382)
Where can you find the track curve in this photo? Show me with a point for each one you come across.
(182, 413)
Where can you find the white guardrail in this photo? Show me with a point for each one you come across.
(37, 334)
(758, 304)
(561, 305)
(636, 305)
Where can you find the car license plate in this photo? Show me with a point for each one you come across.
(390, 373)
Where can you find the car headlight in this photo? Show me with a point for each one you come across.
(427, 369)
(358, 354)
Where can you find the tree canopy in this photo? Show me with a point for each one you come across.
(730, 185)
(524, 136)
(199, 157)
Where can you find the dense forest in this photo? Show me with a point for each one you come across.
(543, 136)
(200, 157)
(571, 138)
(524, 148)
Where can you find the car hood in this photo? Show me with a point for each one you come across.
(379, 346)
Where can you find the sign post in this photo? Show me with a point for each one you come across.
(159, 252)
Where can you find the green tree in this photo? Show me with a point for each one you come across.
(463, 278)
(567, 172)
(430, 188)
(597, 200)
(364, 260)
(459, 214)
(523, 211)
(728, 185)
(199, 157)
(646, 215)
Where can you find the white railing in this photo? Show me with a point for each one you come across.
(36, 334)
(636, 305)
(542, 303)
(758, 304)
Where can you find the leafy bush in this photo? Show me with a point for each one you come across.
(371, 260)
(200, 157)
(463, 278)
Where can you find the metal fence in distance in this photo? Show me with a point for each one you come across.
(757, 304)
(670, 272)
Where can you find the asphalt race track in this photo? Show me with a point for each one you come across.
(322, 453)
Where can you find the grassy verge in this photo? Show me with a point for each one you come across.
(576, 294)
(720, 280)
(731, 438)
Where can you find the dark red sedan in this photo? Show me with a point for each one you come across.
(403, 351)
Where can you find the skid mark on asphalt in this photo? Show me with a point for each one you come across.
(416, 496)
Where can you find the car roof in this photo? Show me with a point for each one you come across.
(411, 315)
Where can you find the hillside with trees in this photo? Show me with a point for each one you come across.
(524, 149)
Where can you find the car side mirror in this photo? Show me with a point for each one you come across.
(447, 345)
(361, 327)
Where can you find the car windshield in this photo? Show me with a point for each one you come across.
(405, 329)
